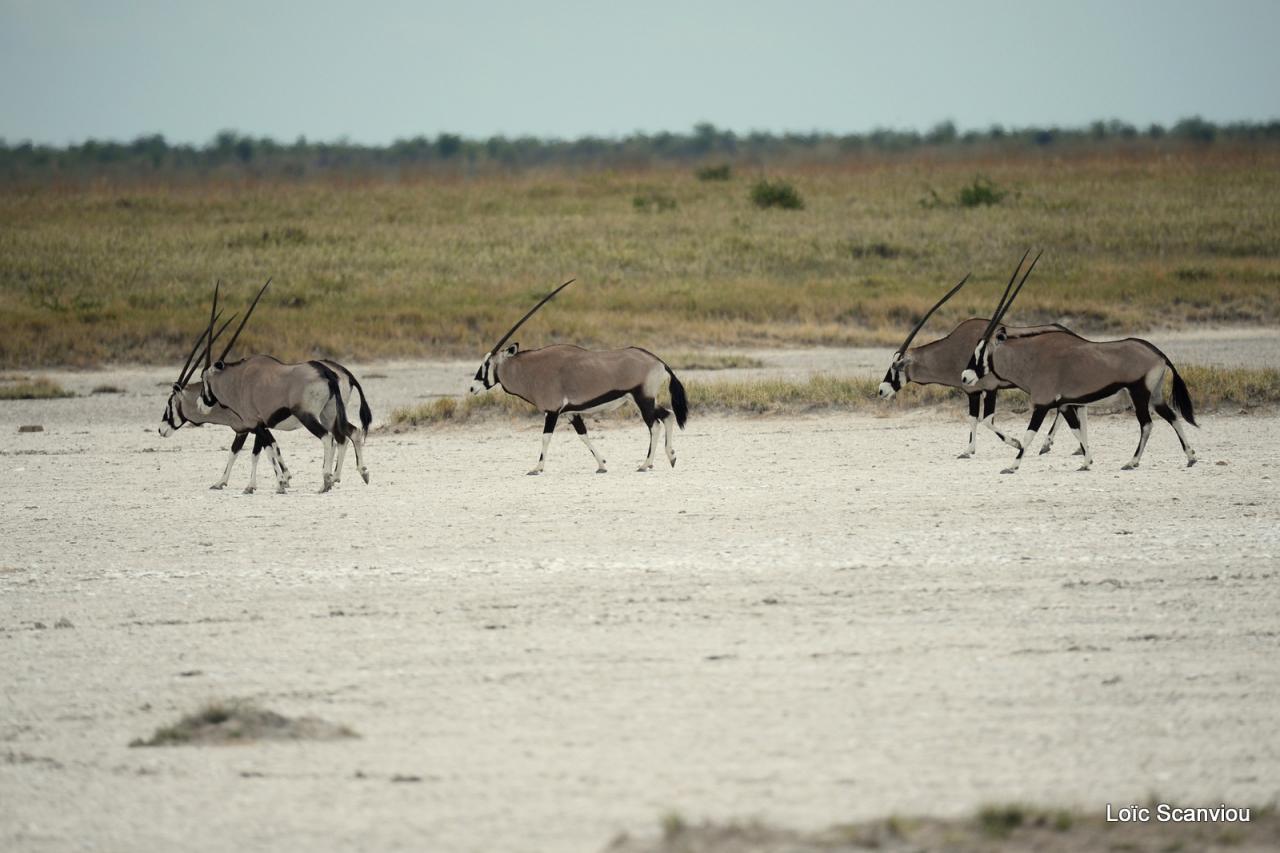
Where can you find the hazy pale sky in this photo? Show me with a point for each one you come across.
(377, 71)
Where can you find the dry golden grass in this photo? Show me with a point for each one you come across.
(1212, 389)
(35, 389)
(429, 266)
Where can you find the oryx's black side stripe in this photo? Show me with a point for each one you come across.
(281, 414)
(599, 401)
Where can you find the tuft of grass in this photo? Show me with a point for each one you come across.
(720, 172)
(766, 194)
(1000, 821)
(36, 389)
(107, 389)
(673, 826)
(981, 192)
(240, 721)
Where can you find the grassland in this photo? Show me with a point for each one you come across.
(437, 266)
(32, 389)
(1212, 389)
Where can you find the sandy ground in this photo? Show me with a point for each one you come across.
(810, 620)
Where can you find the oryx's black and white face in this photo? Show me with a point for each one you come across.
(173, 419)
(487, 376)
(895, 377)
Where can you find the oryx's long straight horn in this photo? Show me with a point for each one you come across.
(183, 375)
(240, 328)
(543, 301)
(950, 293)
(213, 309)
(991, 324)
(997, 317)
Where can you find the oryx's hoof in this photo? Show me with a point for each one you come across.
(1129, 466)
(248, 490)
(535, 472)
(1009, 471)
(364, 472)
(1085, 467)
(644, 469)
(280, 490)
(968, 454)
(1079, 452)
(1047, 447)
(217, 487)
(672, 460)
(602, 470)
(1192, 461)
(328, 483)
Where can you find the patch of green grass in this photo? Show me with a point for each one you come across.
(36, 389)
(720, 172)
(980, 193)
(1218, 387)
(107, 389)
(766, 194)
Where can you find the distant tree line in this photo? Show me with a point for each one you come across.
(230, 153)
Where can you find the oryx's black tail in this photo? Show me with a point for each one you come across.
(679, 400)
(366, 415)
(1181, 396)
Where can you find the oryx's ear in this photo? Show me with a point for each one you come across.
(512, 349)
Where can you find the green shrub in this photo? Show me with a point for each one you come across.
(982, 192)
(765, 194)
(653, 201)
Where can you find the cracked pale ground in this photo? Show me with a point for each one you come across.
(810, 620)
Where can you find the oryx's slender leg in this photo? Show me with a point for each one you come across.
(264, 437)
(327, 467)
(667, 420)
(337, 465)
(648, 411)
(357, 441)
(236, 446)
(975, 403)
(259, 442)
(989, 419)
(1053, 432)
(1166, 411)
(1037, 418)
(1142, 409)
(1075, 419)
(548, 427)
(580, 427)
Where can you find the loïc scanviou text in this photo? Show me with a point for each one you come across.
(1165, 813)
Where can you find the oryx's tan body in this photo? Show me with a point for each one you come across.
(1057, 368)
(941, 362)
(567, 378)
(260, 388)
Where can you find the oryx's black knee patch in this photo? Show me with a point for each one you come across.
(578, 425)
(238, 443)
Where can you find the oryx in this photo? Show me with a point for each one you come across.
(565, 379)
(1060, 370)
(266, 393)
(939, 363)
(183, 407)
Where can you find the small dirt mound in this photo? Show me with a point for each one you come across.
(241, 722)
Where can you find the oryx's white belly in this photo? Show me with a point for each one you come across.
(288, 423)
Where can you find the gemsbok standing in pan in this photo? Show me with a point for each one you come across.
(184, 407)
(940, 363)
(266, 393)
(1060, 370)
(568, 380)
